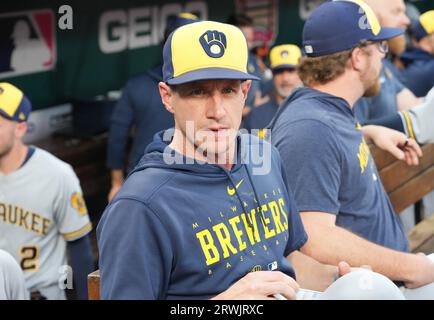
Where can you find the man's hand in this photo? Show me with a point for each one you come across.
(394, 142)
(261, 285)
(344, 268)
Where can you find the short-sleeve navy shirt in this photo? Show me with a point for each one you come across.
(330, 169)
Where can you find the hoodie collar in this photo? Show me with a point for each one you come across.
(413, 54)
(158, 149)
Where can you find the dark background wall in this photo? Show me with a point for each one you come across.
(81, 68)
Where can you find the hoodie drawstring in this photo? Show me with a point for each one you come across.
(228, 174)
(249, 220)
(256, 196)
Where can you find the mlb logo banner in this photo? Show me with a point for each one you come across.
(27, 42)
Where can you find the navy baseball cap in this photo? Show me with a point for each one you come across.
(424, 25)
(14, 105)
(340, 25)
(183, 18)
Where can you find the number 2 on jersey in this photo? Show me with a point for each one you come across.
(29, 255)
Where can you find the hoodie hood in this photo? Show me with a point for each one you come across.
(415, 54)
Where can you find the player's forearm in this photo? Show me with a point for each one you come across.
(117, 145)
(372, 132)
(332, 244)
(406, 100)
(369, 132)
(117, 177)
(392, 122)
(310, 273)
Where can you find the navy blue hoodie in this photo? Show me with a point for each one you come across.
(261, 116)
(330, 169)
(189, 231)
(140, 107)
(418, 74)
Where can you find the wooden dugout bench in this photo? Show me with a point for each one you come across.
(405, 186)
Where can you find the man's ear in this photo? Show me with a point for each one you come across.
(21, 129)
(166, 96)
(245, 87)
(357, 60)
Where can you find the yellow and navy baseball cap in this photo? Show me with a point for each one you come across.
(205, 50)
(340, 25)
(285, 56)
(14, 105)
(424, 25)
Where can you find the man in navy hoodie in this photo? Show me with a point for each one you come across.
(206, 206)
(343, 205)
(418, 60)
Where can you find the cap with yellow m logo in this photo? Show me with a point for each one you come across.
(205, 50)
(285, 56)
(14, 105)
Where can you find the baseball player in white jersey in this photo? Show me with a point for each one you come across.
(12, 286)
(41, 206)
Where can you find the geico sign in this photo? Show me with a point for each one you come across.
(140, 27)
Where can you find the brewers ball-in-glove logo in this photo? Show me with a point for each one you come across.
(214, 43)
(77, 202)
(256, 268)
(284, 54)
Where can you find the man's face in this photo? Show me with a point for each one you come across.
(370, 76)
(392, 14)
(249, 33)
(7, 136)
(208, 113)
(285, 81)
